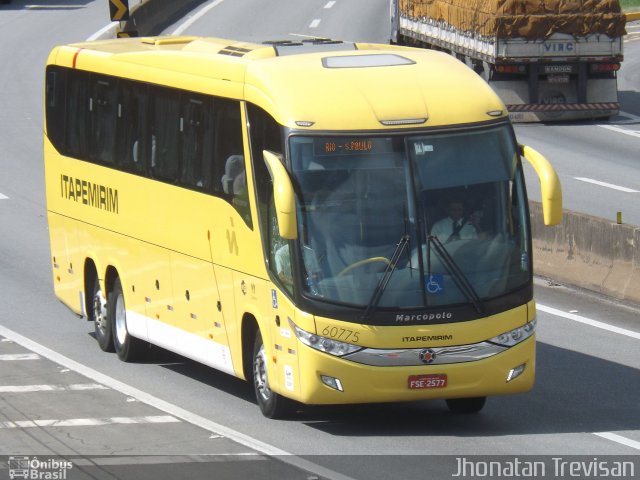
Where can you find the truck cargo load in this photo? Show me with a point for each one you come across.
(547, 59)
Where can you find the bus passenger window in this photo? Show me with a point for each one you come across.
(132, 142)
(55, 106)
(228, 160)
(102, 105)
(197, 144)
(234, 184)
(167, 124)
(77, 115)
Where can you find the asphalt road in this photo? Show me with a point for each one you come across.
(143, 418)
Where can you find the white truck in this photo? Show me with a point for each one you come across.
(547, 59)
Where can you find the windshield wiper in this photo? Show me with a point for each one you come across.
(460, 279)
(386, 276)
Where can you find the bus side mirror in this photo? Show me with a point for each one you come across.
(283, 195)
(549, 184)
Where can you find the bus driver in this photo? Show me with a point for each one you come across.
(455, 226)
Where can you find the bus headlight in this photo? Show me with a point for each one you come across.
(517, 335)
(324, 344)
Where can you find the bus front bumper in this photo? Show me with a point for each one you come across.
(325, 379)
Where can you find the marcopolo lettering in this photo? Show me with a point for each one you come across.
(88, 193)
(423, 317)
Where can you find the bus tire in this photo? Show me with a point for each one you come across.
(466, 405)
(272, 405)
(128, 348)
(99, 314)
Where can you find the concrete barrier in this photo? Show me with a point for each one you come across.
(150, 17)
(588, 252)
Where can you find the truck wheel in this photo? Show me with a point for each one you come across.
(466, 405)
(272, 405)
(100, 319)
(127, 347)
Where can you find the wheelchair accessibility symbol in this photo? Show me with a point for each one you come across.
(434, 283)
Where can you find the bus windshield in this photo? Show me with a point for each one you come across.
(415, 220)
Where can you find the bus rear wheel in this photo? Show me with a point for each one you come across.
(466, 405)
(100, 317)
(128, 348)
(272, 405)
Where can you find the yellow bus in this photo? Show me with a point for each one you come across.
(278, 211)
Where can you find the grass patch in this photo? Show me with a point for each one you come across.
(630, 4)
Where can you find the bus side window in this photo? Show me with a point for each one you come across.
(55, 106)
(77, 115)
(229, 158)
(265, 135)
(167, 127)
(197, 142)
(133, 142)
(103, 108)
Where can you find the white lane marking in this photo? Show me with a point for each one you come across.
(3, 197)
(49, 7)
(172, 409)
(588, 321)
(11, 357)
(632, 133)
(50, 388)
(302, 35)
(89, 422)
(619, 439)
(594, 323)
(315, 23)
(191, 19)
(103, 30)
(330, 4)
(608, 185)
(87, 461)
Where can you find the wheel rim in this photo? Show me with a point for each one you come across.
(121, 320)
(260, 375)
(100, 311)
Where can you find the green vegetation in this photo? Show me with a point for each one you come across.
(630, 4)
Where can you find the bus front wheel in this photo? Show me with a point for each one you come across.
(466, 405)
(127, 347)
(272, 405)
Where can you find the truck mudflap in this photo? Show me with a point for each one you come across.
(568, 111)
(556, 102)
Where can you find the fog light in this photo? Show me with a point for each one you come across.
(516, 372)
(332, 382)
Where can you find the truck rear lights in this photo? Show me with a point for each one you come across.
(604, 67)
(511, 69)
